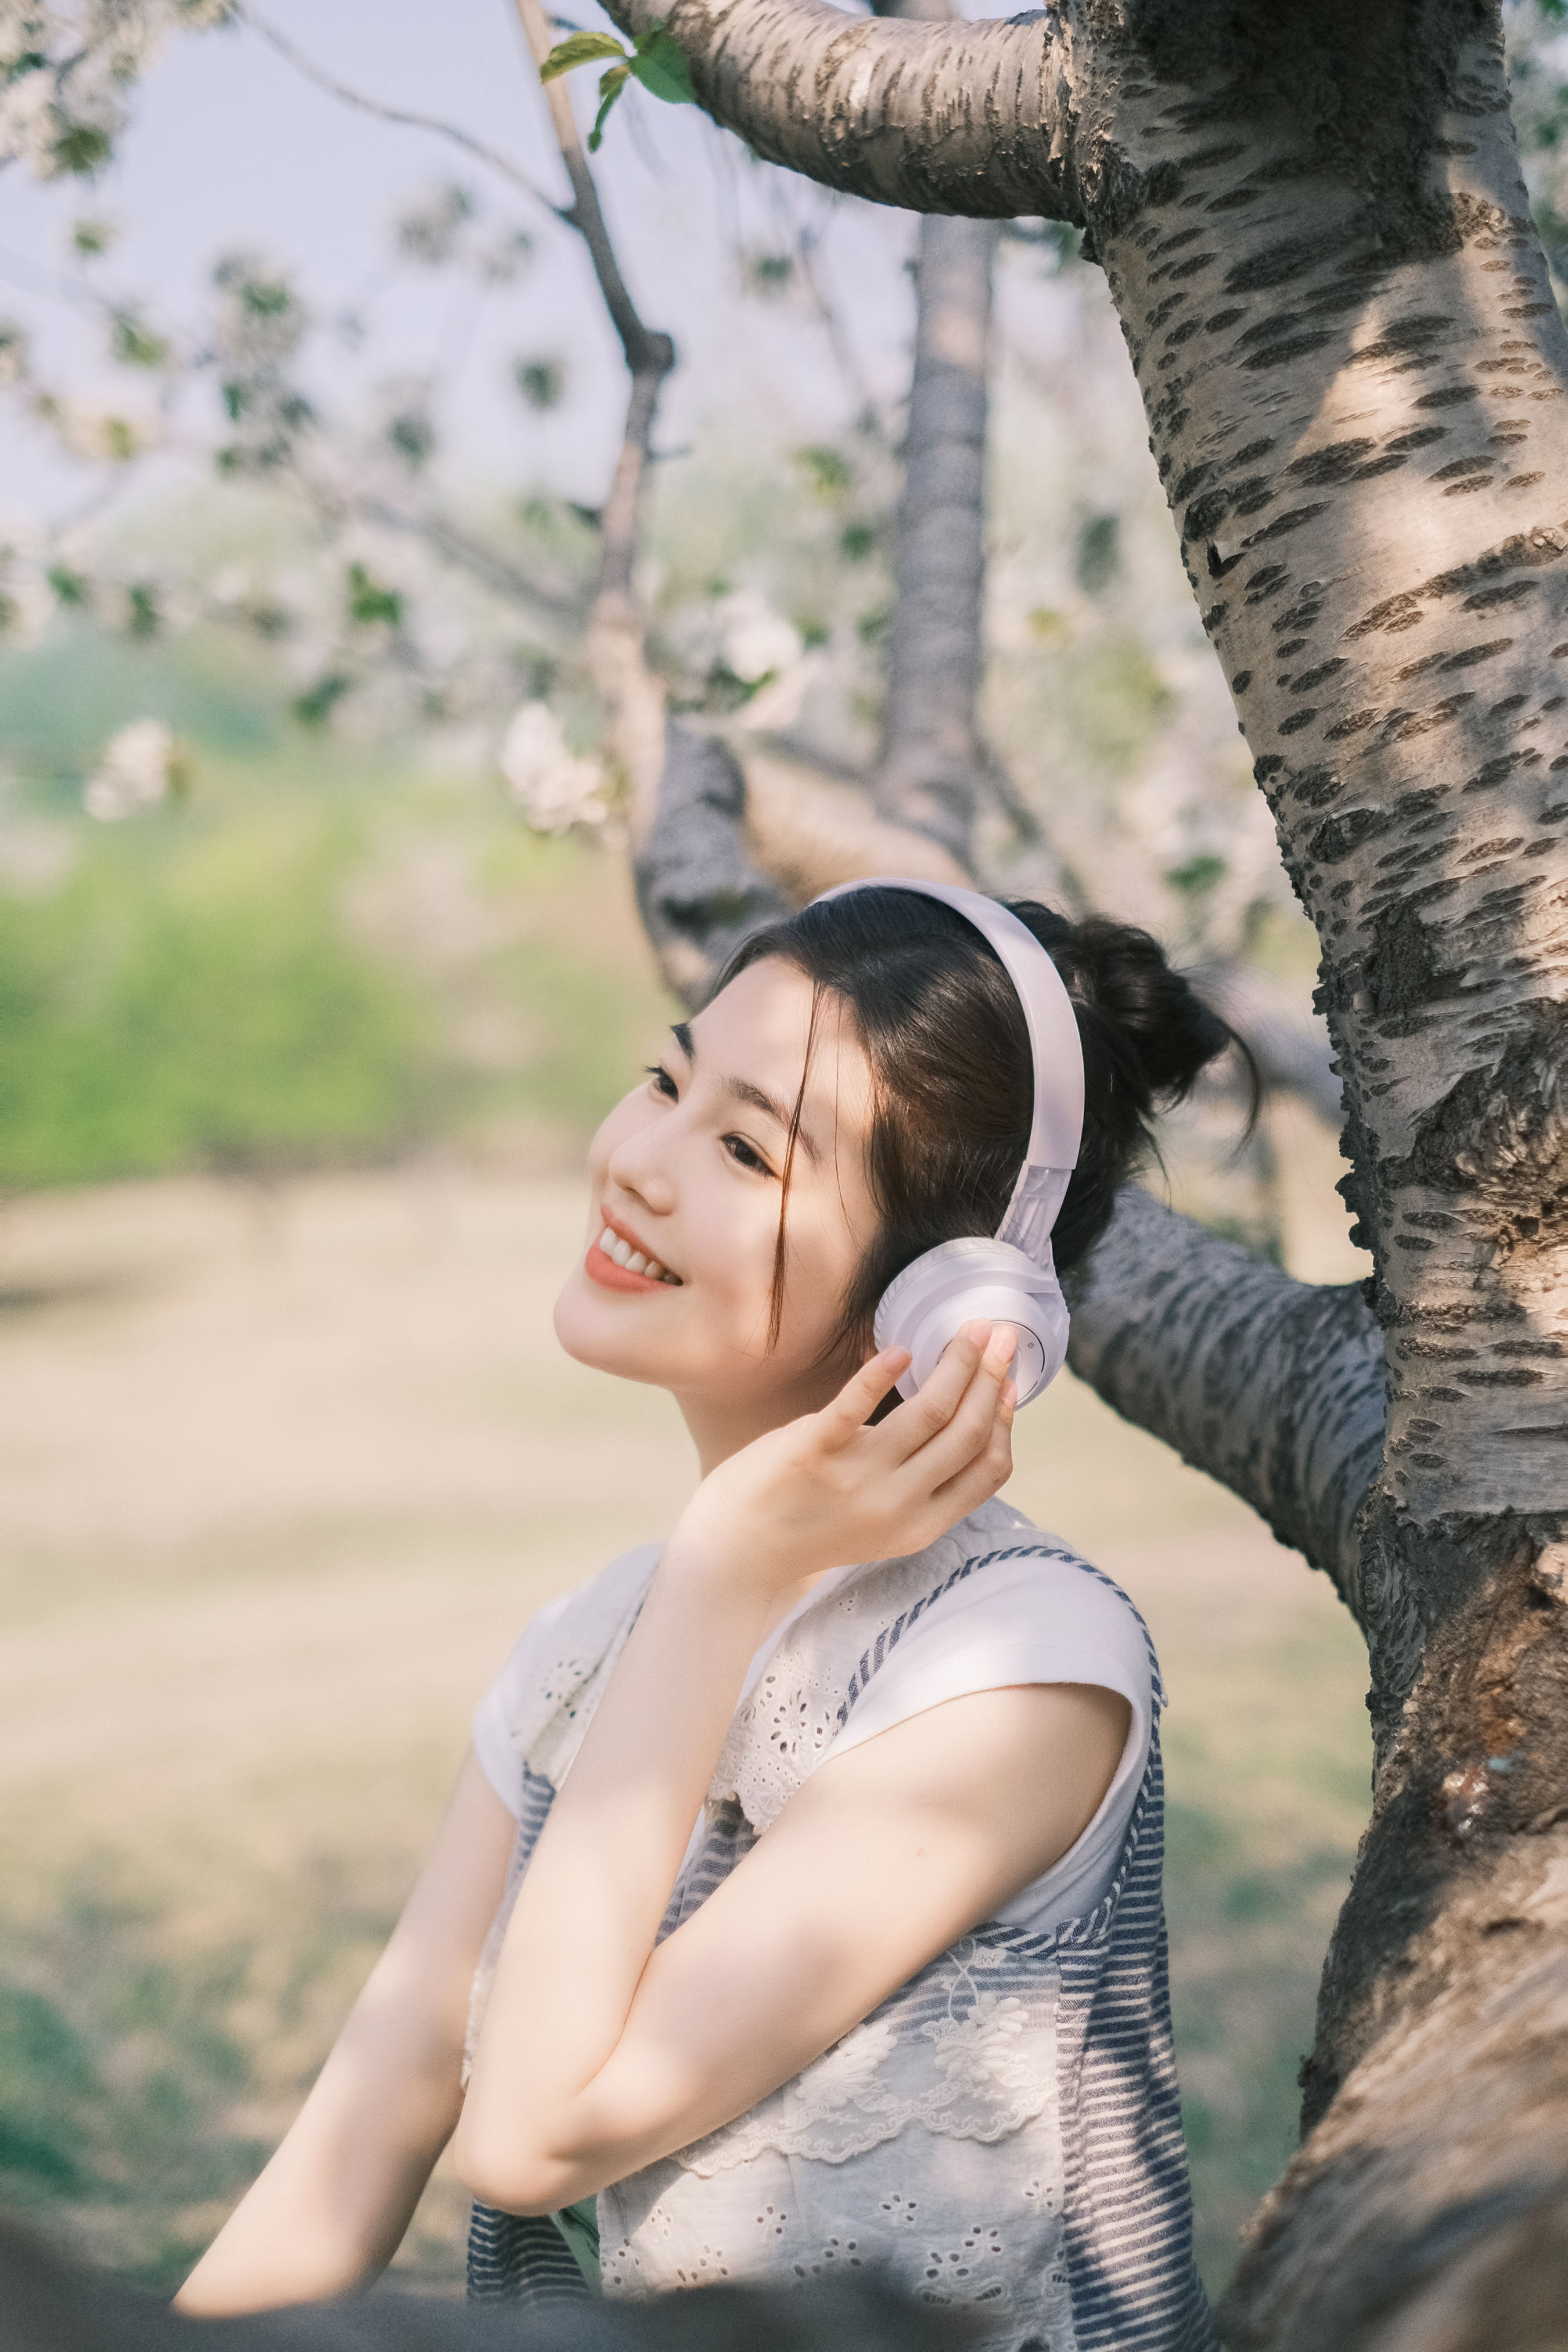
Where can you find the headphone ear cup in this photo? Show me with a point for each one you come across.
(968, 1281)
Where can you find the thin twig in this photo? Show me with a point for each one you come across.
(649, 354)
(465, 552)
(584, 214)
(617, 653)
(400, 117)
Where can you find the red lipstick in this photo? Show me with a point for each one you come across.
(604, 1270)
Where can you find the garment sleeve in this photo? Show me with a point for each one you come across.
(497, 1710)
(1034, 1620)
(1039, 1619)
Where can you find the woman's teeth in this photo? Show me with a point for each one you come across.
(633, 1260)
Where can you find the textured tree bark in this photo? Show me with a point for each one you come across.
(939, 117)
(1358, 428)
(1273, 1387)
(1314, 226)
(928, 775)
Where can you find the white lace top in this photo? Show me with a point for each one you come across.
(1003, 2131)
(1031, 1619)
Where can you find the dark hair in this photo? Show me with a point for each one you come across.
(952, 1081)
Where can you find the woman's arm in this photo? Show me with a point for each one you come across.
(332, 2205)
(884, 1858)
(599, 2054)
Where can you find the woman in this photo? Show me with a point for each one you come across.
(898, 1999)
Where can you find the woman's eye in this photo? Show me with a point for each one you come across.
(745, 1155)
(662, 1083)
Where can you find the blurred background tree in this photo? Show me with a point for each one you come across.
(316, 832)
(261, 525)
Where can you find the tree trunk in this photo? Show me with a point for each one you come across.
(1314, 226)
(1273, 1386)
(929, 775)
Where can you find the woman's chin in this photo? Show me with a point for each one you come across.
(595, 1328)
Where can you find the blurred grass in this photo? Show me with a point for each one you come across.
(287, 1464)
(274, 1502)
(188, 996)
(303, 966)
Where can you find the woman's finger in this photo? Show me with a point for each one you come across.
(917, 1423)
(861, 1394)
(969, 1428)
(974, 1485)
(981, 1476)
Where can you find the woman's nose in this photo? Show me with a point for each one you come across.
(639, 1165)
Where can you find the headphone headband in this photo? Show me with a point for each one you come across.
(1056, 1128)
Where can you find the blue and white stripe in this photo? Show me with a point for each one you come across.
(1133, 2282)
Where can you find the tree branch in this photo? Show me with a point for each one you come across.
(700, 890)
(1273, 1387)
(954, 117)
(633, 697)
(465, 552)
(646, 351)
(402, 118)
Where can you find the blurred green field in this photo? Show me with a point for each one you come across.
(276, 1495)
(308, 960)
(291, 1079)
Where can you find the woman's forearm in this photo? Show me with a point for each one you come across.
(548, 2115)
(589, 1909)
(329, 2210)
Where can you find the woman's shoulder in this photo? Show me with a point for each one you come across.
(561, 1653)
(1023, 1599)
(1000, 1558)
(568, 1626)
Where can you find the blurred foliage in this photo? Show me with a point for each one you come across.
(307, 960)
(183, 997)
(1537, 34)
(61, 699)
(116, 2062)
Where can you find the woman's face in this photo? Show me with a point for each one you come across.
(686, 1173)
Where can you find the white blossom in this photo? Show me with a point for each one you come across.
(101, 433)
(553, 787)
(137, 768)
(756, 641)
(67, 69)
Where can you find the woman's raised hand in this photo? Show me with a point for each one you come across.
(829, 1488)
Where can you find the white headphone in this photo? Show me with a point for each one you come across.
(1013, 1278)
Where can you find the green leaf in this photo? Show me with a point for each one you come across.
(660, 66)
(580, 49)
(611, 85)
(369, 601)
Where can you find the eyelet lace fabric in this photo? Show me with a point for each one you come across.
(804, 1694)
(987, 2237)
(1004, 2132)
(964, 2050)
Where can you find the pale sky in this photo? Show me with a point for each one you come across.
(230, 148)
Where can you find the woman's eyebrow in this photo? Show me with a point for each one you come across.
(744, 1090)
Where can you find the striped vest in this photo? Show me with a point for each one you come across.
(1004, 2132)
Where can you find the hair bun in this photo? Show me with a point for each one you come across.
(1123, 974)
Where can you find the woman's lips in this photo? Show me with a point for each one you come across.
(611, 1276)
(618, 1260)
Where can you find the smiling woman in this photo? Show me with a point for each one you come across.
(802, 1893)
(742, 1155)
